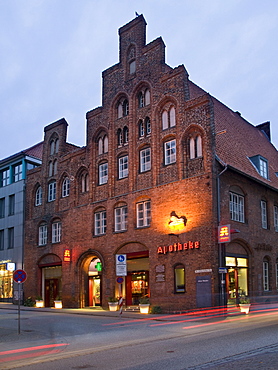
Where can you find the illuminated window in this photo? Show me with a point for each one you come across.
(100, 223)
(276, 218)
(56, 231)
(38, 197)
(179, 278)
(123, 167)
(52, 191)
(264, 214)
(66, 187)
(265, 275)
(236, 207)
(143, 213)
(103, 173)
(145, 159)
(43, 234)
(170, 152)
(121, 218)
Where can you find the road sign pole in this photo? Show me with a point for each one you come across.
(19, 294)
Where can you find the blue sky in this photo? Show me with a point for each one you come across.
(54, 51)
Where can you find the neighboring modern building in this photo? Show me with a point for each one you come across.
(137, 210)
(13, 171)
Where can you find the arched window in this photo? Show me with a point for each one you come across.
(141, 99)
(120, 110)
(38, 197)
(100, 146)
(50, 169)
(52, 147)
(125, 108)
(120, 137)
(148, 125)
(179, 274)
(172, 115)
(195, 147)
(66, 187)
(164, 120)
(141, 128)
(57, 146)
(55, 167)
(147, 97)
(105, 144)
(84, 182)
(125, 135)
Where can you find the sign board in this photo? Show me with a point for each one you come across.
(121, 268)
(19, 276)
(224, 234)
(120, 280)
(222, 270)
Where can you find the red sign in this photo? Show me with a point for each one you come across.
(67, 255)
(176, 247)
(19, 276)
(224, 234)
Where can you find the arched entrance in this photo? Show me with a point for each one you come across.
(90, 267)
(237, 263)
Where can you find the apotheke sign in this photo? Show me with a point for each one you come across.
(177, 247)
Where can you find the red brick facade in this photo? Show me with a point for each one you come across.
(157, 134)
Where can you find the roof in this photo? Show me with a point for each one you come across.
(237, 140)
(34, 151)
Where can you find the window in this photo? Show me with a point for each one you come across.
(195, 147)
(265, 275)
(143, 213)
(141, 99)
(141, 129)
(54, 146)
(145, 160)
(38, 198)
(164, 120)
(11, 238)
(123, 167)
(121, 218)
(263, 168)
(147, 97)
(103, 173)
(120, 137)
(4, 177)
(56, 231)
(170, 151)
(148, 125)
(264, 214)
(236, 207)
(2, 207)
(168, 118)
(55, 167)
(132, 67)
(50, 169)
(103, 145)
(125, 108)
(172, 116)
(100, 223)
(1, 240)
(18, 172)
(84, 182)
(52, 191)
(276, 218)
(125, 135)
(66, 187)
(179, 279)
(43, 234)
(11, 204)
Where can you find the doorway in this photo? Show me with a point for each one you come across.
(51, 291)
(237, 278)
(94, 281)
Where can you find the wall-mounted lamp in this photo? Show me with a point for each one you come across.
(177, 223)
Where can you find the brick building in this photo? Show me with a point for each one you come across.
(164, 165)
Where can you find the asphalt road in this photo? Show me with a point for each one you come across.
(52, 341)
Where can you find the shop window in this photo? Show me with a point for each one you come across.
(266, 275)
(276, 218)
(179, 272)
(56, 231)
(121, 218)
(2, 207)
(123, 167)
(11, 238)
(103, 173)
(52, 191)
(100, 222)
(264, 214)
(145, 159)
(11, 204)
(38, 196)
(143, 210)
(236, 207)
(170, 152)
(43, 234)
(66, 187)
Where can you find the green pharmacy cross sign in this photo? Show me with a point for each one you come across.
(98, 266)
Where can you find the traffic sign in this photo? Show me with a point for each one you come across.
(120, 280)
(19, 276)
(121, 266)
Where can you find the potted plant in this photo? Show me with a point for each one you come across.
(58, 302)
(39, 301)
(144, 304)
(244, 304)
(113, 303)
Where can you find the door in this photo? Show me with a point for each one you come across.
(94, 291)
(51, 291)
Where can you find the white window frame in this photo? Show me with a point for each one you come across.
(103, 173)
(5, 177)
(145, 159)
(43, 234)
(266, 276)
(275, 218)
(236, 207)
(100, 222)
(52, 191)
(66, 187)
(264, 214)
(38, 197)
(121, 218)
(18, 172)
(141, 129)
(143, 212)
(56, 231)
(170, 151)
(172, 116)
(148, 126)
(263, 168)
(123, 167)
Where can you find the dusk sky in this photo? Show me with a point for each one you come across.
(53, 53)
